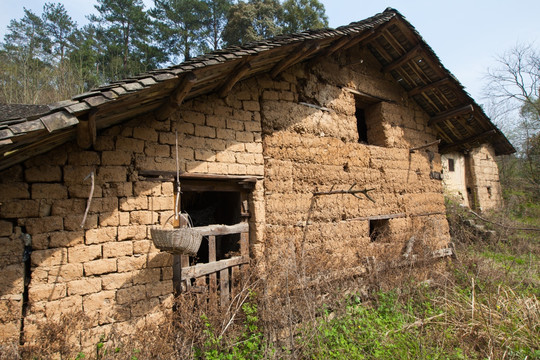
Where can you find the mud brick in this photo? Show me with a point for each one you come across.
(98, 267)
(117, 157)
(118, 249)
(84, 286)
(101, 235)
(47, 292)
(66, 238)
(117, 280)
(19, 209)
(131, 294)
(145, 133)
(130, 145)
(83, 253)
(134, 203)
(11, 191)
(44, 225)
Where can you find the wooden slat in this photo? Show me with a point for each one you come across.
(212, 267)
(224, 287)
(428, 87)
(380, 217)
(301, 52)
(244, 249)
(472, 139)
(403, 59)
(235, 281)
(222, 229)
(462, 110)
(212, 278)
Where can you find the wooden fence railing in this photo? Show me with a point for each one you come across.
(220, 279)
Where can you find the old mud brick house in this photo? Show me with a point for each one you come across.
(279, 135)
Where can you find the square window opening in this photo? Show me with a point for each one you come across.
(378, 229)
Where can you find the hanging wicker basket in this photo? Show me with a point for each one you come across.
(184, 241)
(177, 241)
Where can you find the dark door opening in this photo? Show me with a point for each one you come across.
(209, 208)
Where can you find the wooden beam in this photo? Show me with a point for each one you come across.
(450, 114)
(236, 75)
(403, 59)
(213, 230)
(411, 150)
(366, 96)
(472, 139)
(347, 41)
(176, 98)
(372, 35)
(427, 87)
(212, 267)
(87, 131)
(298, 54)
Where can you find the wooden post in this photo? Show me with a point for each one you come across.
(213, 276)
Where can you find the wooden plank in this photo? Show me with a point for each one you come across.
(411, 150)
(235, 281)
(379, 217)
(222, 229)
(462, 110)
(428, 87)
(472, 139)
(415, 51)
(212, 283)
(244, 249)
(224, 289)
(366, 96)
(87, 131)
(212, 267)
(297, 54)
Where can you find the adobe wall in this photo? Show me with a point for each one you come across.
(308, 150)
(109, 270)
(455, 182)
(484, 178)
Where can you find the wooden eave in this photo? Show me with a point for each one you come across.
(393, 41)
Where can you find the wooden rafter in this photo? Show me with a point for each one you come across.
(472, 139)
(87, 131)
(347, 42)
(427, 87)
(403, 59)
(242, 69)
(179, 94)
(298, 54)
(450, 114)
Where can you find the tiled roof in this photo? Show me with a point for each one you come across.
(436, 90)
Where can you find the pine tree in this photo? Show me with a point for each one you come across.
(180, 26)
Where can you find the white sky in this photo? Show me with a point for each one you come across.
(466, 35)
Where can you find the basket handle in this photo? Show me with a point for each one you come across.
(183, 215)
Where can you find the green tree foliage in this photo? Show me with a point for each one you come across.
(179, 26)
(259, 19)
(299, 15)
(217, 20)
(123, 30)
(254, 20)
(45, 58)
(23, 71)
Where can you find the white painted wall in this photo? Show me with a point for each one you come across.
(454, 181)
